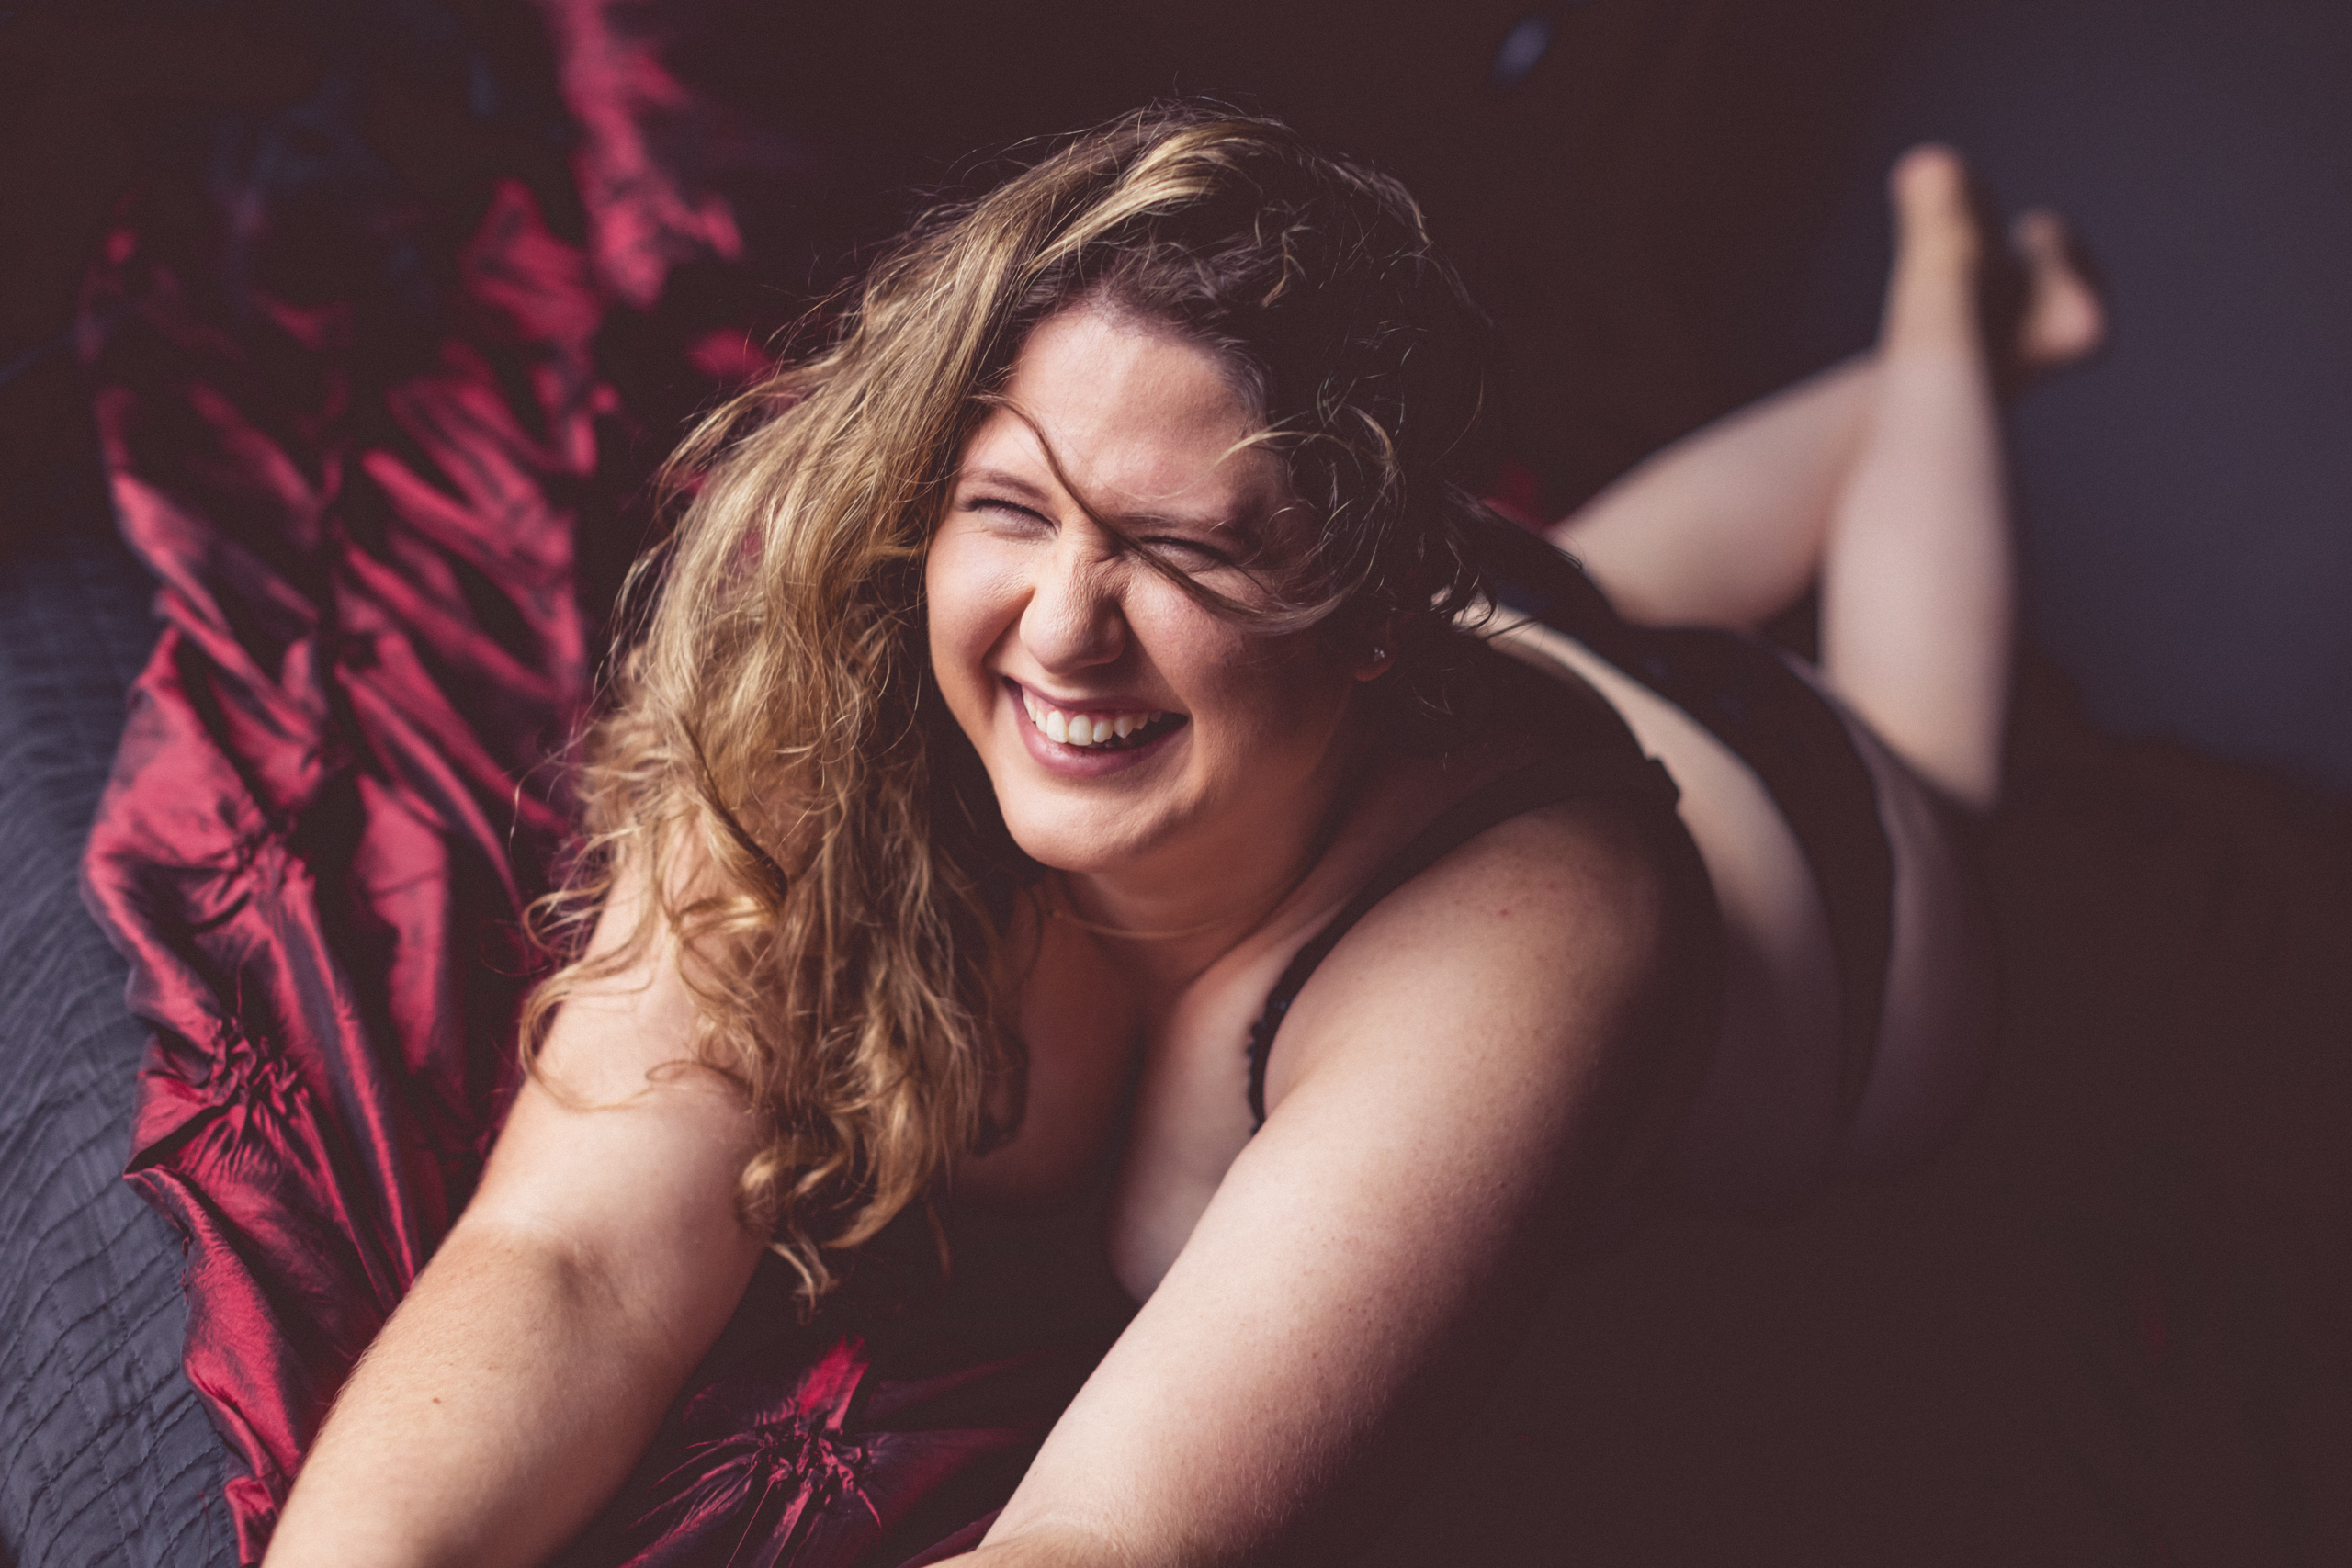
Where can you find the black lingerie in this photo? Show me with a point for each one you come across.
(1749, 699)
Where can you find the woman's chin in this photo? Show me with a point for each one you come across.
(1078, 848)
(1090, 811)
(1090, 839)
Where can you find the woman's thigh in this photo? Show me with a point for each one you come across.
(1936, 1025)
(1774, 1115)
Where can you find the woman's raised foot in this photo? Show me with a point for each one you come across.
(2063, 319)
(1932, 296)
(1935, 221)
(2031, 305)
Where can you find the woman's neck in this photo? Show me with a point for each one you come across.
(1165, 931)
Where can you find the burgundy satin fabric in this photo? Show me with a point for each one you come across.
(842, 1448)
(329, 778)
(333, 796)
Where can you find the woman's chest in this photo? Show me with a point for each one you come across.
(1145, 1088)
(1190, 1118)
(1151, 1101)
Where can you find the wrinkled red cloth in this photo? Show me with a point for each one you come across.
(827, 1447)
(329, 781)
(644, 215)
(332, 798)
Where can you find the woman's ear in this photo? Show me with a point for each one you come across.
(1378, 651)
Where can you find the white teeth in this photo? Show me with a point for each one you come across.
(1084, 729)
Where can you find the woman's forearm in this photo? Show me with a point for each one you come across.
(503, 1401)
(599, 1258)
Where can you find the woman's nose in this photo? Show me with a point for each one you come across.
(1074, 620)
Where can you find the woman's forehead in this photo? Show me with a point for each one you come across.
(1137, 419)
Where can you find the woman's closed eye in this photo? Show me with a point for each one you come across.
(1185, 552)
(1004, 513)
(1179, 551)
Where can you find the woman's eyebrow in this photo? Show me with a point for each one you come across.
(998, 478)
(1201, 523)
(1239, 525)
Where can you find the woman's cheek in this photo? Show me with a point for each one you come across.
(1286, 682)
(959, 597)
(1199, 652)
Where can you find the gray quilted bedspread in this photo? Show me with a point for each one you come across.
(106, 1453)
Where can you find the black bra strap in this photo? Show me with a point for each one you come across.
(1598, 771)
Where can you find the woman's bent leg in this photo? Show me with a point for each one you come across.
(1881, 477)
(1725, 528)
(1918, 568)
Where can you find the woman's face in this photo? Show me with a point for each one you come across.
(1125, 725)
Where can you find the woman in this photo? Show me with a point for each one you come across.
(1068, 758)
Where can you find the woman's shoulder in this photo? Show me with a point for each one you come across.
(1531, 853)
(1523, 999)
(1544, 788)
(1536, 872)
(1481, 925)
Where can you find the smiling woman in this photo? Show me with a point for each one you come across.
(1118, 443)
(1078, 765)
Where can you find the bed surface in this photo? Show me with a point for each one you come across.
(106, 1455)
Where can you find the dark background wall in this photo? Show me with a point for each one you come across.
(1674, 207)
(2187, 502)
(1677, 206)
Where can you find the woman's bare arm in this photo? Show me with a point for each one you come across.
(1436, 1082)
(518, 1382)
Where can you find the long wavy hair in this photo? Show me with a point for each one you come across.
(774, 766)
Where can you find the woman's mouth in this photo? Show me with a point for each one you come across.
(1097, 731)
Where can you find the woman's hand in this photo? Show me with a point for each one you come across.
(518, 1382)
